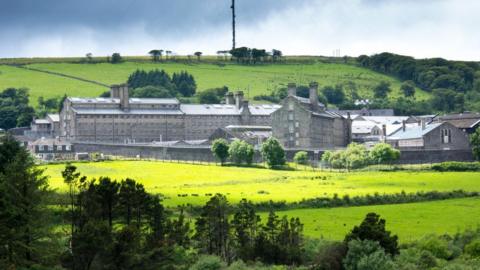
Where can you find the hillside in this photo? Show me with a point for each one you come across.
(254, 80)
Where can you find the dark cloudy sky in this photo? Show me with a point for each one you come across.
(422, 28)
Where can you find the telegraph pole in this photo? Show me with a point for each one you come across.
(233, 24)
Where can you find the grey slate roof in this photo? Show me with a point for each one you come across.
(77, 100)
(413, 132)
(54, 117)
(130, 112)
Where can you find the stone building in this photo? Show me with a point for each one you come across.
(121, 119)
(435, 136)
(305, 123)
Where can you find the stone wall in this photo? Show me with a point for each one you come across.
(203, 153)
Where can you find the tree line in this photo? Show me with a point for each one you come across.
(452, 83)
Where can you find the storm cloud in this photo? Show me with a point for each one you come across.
(428, 28)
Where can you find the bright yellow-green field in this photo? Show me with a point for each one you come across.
(172, 179)
(409, 221)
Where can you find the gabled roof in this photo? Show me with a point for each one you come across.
(413, 132)
(54, 117)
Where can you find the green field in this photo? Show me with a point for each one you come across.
(172, 179)
(409, 221)
(254, 80)
(46, 85)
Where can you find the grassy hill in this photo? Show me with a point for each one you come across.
(253, 79)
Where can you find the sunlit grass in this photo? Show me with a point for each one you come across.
(195, 181)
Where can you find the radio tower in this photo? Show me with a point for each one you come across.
(233, 24)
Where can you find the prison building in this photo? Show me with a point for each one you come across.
(120, 119)
(305, 123)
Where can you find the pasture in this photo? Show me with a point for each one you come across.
(182, 183)
(46, 85)
(253, 80)
(409, 221)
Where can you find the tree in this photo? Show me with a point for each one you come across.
(383, 153)
(273, 153)
(212, 227)
(301, 157)
(71, 178)
(198, 55)
(151, 91)
(382, 89)
(475, 142)
(241, 152)
(14, 108)
(334, 95)
(116, 58)
(89, 57)
(245, 225)
(373, 228)
(276, 54)
(24, 231)
(155, 54)
(408, 88)
(220, 150)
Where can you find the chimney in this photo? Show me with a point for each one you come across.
(292, 89)
(245, 104)
(124, 98)
(313, 95)
(239, 99)
(114, 91)
(403, 125)
(384, 132)
(229, 99)
(423, 124)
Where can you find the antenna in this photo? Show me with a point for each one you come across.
(233, 24)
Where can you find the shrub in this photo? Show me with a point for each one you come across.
(273, 153)
(301, 157)
(438, 247)
(383, 153)
(473, 248)
(455, 166)
(366, 255)
(354, 157)
(208, 262)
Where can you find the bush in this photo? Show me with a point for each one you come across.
(208, 262)
(455, 166)
(354, 157)
(383, 153)
(273, 153)
(473, 248)
(241, 152)
(301, 157)
(366, 255)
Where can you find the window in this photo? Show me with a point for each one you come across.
(59, 148)
(41, 147)
(290, 116)
(446, 135)
(50, 148)
(290, 106)
(68, 147)
(297, 124)
(290, 128)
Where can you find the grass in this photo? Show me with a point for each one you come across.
(173, 179)
(254, 80)
(409, 221)
(46, 85)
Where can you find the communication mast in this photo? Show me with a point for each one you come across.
(233, 24)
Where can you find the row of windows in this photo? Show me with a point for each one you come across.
(446, 135)
(51, 147)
